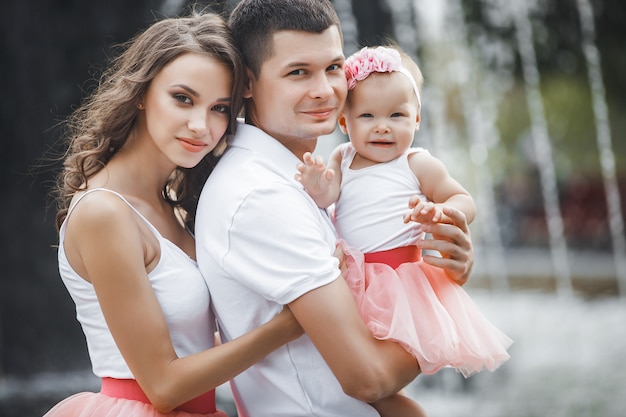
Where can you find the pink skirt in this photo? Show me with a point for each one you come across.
(401, 298)
(124, 398)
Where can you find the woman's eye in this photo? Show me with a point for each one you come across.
(222, 108)
(334, 67)
(183, 98)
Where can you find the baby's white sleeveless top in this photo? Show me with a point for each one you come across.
(179, 287)
(373, 200)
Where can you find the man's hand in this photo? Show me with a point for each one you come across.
(451, 239)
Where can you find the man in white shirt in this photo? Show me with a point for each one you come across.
(262, 243)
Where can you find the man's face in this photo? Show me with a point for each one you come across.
(301, 88)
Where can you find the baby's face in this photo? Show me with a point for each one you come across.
(381, 116)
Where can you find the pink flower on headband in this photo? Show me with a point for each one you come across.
(361, 64)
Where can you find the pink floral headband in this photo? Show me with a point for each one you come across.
(379, 59)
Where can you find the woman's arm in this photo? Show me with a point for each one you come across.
(114, 251)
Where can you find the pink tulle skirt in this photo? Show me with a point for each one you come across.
(418, 306)
(117, 400)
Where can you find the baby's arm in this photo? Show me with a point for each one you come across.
(320, 181)
(440, 188)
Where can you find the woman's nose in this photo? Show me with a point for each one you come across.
(198, 123)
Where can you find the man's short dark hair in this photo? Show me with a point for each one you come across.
(254, 23)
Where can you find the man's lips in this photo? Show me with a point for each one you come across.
(320, 113)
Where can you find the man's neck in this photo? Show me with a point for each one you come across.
(295, 145)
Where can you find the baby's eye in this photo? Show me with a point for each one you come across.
(397, 114)
(367, 115)
(183, 98)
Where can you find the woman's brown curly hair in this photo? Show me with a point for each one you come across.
(101, 125)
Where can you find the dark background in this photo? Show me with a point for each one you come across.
(50, 55)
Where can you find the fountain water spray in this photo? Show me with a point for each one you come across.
(543, 150)
(603, 136)
(480, 133)
(482, 136)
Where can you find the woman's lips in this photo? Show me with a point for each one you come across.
(192, 145)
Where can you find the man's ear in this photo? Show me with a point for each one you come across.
(248, 90)
(342, 123)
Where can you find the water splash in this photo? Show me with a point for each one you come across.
(603, 136)
(479, 119)
(543, 150)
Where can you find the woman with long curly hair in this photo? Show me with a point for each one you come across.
(140, 147)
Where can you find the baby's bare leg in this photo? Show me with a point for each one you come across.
(398, 405)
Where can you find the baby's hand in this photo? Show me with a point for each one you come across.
(425, 212)
(314, 175)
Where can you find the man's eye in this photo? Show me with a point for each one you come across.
(297, 72)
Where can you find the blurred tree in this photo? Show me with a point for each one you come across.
(49, 48)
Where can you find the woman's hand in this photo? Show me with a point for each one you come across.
(342, 258)
(287, 325)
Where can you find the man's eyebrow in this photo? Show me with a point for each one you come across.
(298, 64)
(338, 58)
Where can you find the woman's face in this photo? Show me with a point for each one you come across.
(187, 108)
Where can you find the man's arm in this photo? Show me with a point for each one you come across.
(367, 368)
(296, 267)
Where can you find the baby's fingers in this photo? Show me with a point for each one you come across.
(318, 162)
(307, 158)
(413, 201)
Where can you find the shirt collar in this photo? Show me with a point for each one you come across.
(252, 138)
